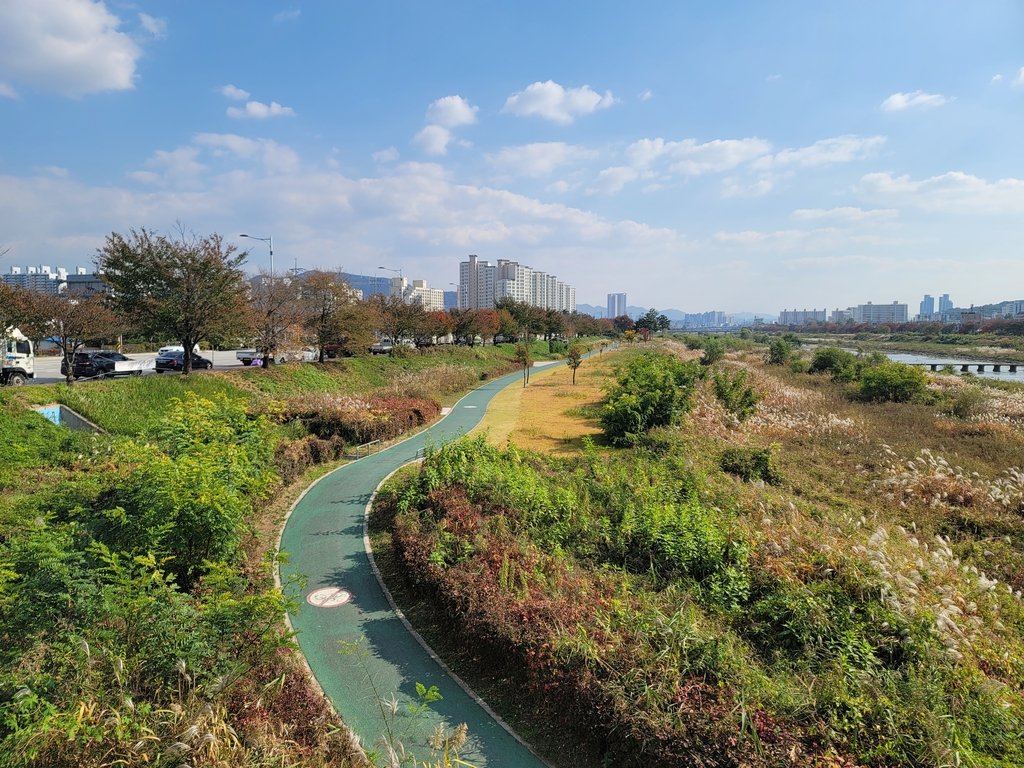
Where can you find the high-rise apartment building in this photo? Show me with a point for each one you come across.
(42, 279)
(482, 283)
(880, 313)
(431, 299)
(801, 316)
(927, 306)
(944, 303)
(616, 305)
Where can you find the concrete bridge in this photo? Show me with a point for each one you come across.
(980, 367)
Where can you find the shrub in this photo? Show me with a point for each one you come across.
(739, 399)
(799, 366)
(714, 351)
(652, 391)
(779, 352)
(357, 421)
(792, 339)
(895, 382)
(838, 362)
(968, 403)
(751, 464)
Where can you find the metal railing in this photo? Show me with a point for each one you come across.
(364, 450)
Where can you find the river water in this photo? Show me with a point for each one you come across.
(905, 357)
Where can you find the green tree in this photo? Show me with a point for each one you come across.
(842, 365)
(738, 398)
(651, 390)
(185, 287)
(574, 359)
(779, 352)
(332, 315)
(714, 350)
(523, 358)
(895, 382)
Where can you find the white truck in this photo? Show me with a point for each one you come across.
(18, 361)
(281, 356)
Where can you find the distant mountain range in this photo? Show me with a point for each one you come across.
(674, 315)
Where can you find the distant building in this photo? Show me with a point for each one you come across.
(842, 315)
(616, 305)
(800, 317)
(927, 308)
(84, 282)
(713, 319)
(880, 313)
(482, 283)
(431, 299)
(41, 279)
(944, 303)
(451, 300)
(971, 318)
(1011, 308)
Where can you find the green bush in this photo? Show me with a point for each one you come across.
(714, 350)
(652, 390)
(838, 362)
(751, 464)
(893, 382)
(779, 352)
(967, 403)
(792, 339)
(799, 366)
(739, 399)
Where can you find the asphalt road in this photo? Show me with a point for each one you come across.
(48, 368)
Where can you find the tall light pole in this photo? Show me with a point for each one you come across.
(399, 271)
(265, 240)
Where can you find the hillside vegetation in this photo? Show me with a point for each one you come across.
(794, 569)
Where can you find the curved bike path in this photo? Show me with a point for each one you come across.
(324, 538)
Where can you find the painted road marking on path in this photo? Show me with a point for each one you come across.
(469, 406)
(328, 597)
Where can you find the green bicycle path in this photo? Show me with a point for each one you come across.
(324, 539)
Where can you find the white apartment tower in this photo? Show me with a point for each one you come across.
(482, 283)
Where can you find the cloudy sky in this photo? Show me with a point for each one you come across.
(731, 156)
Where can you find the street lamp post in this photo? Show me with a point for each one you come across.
(389, 269)
(269, 240)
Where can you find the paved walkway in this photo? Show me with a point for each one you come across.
(324, 537)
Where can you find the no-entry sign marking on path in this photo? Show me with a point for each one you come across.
(328, 597)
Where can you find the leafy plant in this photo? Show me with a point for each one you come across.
(652, 390)
(779, 352)
(738, 398)
(894, 382)
(751, 464)
(842, 365)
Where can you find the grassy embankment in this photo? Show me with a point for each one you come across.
(137, 611)
(862, 607)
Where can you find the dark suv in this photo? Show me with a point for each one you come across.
(175, 361)
(90, 363)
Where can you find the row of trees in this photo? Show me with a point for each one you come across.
(194, 290)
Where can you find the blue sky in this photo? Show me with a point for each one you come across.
(731, 156)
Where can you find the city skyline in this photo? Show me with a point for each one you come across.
(744, 157)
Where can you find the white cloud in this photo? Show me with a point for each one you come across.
(996, 79)
(842, 149)
(692, 158)
(1019, 80)
(70, 47)
(954, 191)
(260, 111)
(433, 140)
(388, 155)
(612, 180)
(275, 158)
(156, 27)
(178, 167)
(289, 15)
(7, 91)
(900, 101)
(236, 94)
(538, 159)
(555, 103)
(770, 78)
(451, 112)
(645, 95)
(53, 170)
(846, 213)
(732, 188)
(559, 187)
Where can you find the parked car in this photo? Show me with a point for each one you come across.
(175, 361)
(381, 348)
(175, 348)
(91, 363)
